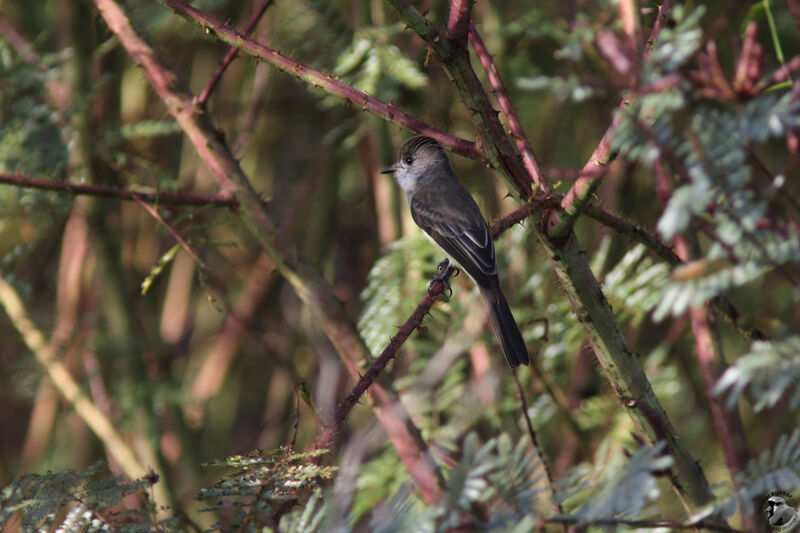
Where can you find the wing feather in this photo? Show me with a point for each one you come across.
(453, 220)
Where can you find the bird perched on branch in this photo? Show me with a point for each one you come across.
(445, 210)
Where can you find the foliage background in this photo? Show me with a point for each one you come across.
(199, 358)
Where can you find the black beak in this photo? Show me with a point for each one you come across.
(389, 169)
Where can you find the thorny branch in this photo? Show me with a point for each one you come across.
(523, 145)
(317, 79)
(413, 321)
(159, 197)
(229, 57)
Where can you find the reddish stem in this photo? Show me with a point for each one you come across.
(172, 198)
(327, 83)
(580, 192)
(413, 321)
(212, 83)
(458, 24)
(389, 353)
(501, 94)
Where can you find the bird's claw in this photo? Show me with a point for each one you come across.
(446, 270)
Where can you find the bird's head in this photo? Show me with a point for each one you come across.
(421, 158)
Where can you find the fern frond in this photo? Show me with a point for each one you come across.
(777, 469)
(498, 472)
(634, 284)
(265, 485)
(770, 370)
(387, 301)
(86, 498)
(626, 491)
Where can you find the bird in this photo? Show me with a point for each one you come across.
(778, 512)
(444, 209)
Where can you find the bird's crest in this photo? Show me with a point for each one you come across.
(418, 143)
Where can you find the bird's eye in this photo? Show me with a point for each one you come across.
(408, 160)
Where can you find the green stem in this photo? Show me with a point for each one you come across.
(773, 31)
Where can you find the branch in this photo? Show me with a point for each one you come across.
(328, 84)
(458, 25)
(172, 231)
(707, 354)
(170, 198)
(521, 213)
(390, 352)
(727, 424)
(316, 293)
(523, 145)
(413, 321)
(535, 441)
(61, 377)
(212, 83)
(571, 174)
(635, 232)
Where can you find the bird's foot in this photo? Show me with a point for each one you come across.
(446, 271)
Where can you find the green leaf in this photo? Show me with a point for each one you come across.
(163, 261)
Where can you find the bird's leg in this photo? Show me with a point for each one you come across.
(446, 270)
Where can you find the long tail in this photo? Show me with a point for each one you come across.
(505, 327)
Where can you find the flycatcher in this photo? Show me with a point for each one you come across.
(445, 210)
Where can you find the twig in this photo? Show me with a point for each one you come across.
(327, 83)
(635, 232)
(535, 441)
(389, 353)
(67, 386)
(413, 321)
(523, 145)
(458, 24)
(293, 442)
(561, 404)
(171, 198)
(212, 83)
(521, 213)
(185, 245)
(575, 173)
